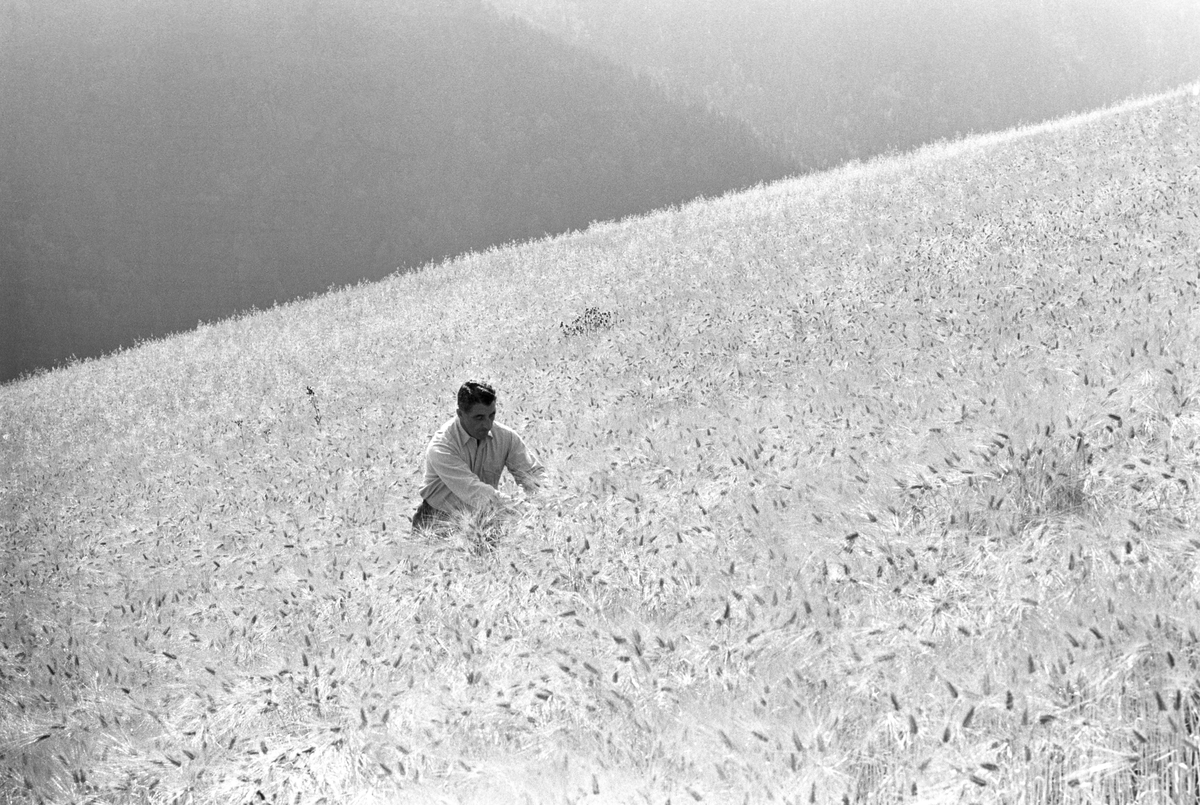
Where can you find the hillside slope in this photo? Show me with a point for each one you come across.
(832, 81)
(883, 483)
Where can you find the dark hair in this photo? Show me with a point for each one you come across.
(472, 393)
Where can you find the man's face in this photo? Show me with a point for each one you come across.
(477, 421)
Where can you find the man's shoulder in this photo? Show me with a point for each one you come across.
(504, 432)
(447, 433)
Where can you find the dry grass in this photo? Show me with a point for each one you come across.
(882, 487)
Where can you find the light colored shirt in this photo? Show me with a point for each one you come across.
(464, 473)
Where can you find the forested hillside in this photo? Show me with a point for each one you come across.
(164, 163)
(831, 80)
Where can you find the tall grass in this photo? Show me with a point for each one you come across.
(881, 487)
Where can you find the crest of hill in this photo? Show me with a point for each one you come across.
(524, 291)
(240, 154)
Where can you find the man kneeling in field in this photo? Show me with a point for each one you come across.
(465, 458)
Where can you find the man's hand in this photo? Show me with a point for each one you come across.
(502, 502)
(515, 503)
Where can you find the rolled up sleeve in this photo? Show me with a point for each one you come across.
(524, 467)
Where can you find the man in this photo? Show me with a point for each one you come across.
(465, 458)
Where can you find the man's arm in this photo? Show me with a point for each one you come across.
(456, 474)
(525, 468)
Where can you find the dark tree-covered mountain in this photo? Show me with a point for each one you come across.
(166, 162)
(832, 80)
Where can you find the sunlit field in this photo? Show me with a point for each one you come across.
(877, 485)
